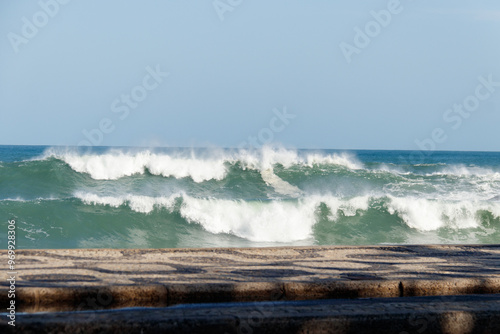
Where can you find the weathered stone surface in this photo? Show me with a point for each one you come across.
(342, 289)
(218, 292)
(457, 286)
(445, 314)
(92, 279)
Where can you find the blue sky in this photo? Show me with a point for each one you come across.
(69, 67)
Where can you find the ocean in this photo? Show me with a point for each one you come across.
(105, 197)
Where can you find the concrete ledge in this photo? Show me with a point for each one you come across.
(444, 314)
(95, 279)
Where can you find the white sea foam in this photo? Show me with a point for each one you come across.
(464, 171)
(11, 199)
(391, 168)
(432, 214)
(267, 157)
(275, 221)
(115, 164)
(143, 204)
(293, 220)
(341, 159)
(23, 200)
(280, 186)
(267, 221)
(348, 207)
(442, 169)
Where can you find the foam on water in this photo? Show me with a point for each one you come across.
(348, 207)
(276, 221)
(432, 214)
(464, 171)
(143, 204)
(280, 186)
(342, 159)
(115, 164)
(292, 220)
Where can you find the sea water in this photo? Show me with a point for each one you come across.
(104, 197)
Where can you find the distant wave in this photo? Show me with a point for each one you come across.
(268, 172)
(116, 164)
(461, 170)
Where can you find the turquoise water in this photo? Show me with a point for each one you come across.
(162, 198)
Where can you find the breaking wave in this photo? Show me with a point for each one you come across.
(200, 167)
(291, 220)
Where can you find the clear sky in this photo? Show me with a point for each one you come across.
(307, 74)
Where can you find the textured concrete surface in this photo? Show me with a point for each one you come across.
(444, 314)
(89, 279)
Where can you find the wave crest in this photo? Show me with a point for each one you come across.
(116, 164)
(293, 220)
(200, 167)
